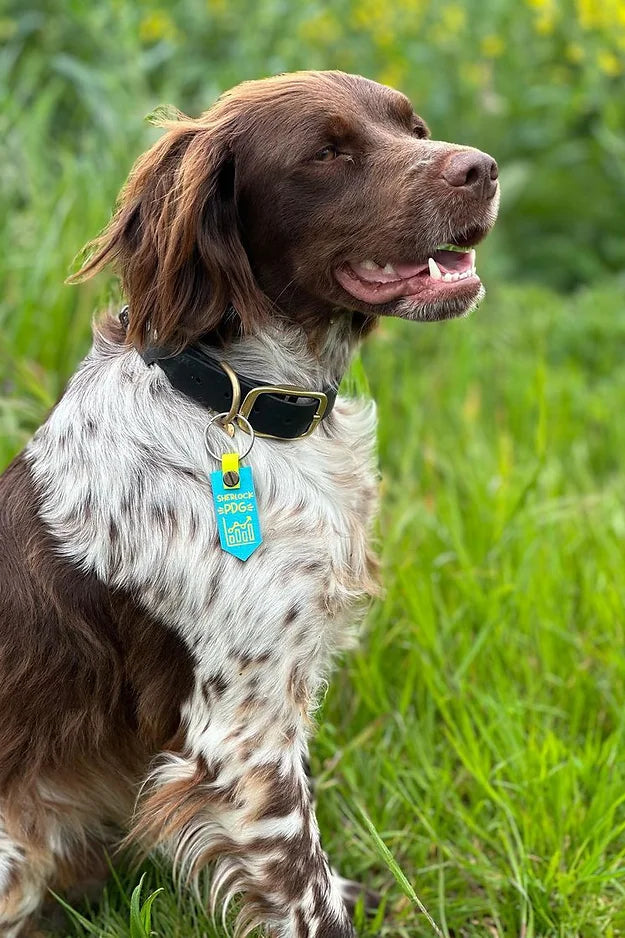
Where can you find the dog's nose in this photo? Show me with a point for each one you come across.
(474, 171)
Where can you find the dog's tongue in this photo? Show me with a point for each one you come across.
(374, 273)
(409, 270)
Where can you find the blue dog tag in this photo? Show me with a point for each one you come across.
(236, 508)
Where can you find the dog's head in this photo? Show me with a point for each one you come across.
(298, 196)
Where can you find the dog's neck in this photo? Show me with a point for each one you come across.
(284, 354)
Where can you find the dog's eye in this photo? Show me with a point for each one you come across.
(328, 153)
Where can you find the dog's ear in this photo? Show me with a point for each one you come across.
(175, 243)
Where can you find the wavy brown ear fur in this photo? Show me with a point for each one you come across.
(174, 239)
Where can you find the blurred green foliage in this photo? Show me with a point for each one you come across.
(538, 83)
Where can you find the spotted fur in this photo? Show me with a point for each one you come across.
(123, 452)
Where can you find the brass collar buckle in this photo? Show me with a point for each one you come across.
(289, 391)
(241, 411)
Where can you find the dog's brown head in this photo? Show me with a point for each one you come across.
(298, 196)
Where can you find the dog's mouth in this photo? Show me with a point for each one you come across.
(448, 273)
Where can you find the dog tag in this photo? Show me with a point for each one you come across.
(235, 507)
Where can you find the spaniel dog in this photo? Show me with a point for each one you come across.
(167, 620)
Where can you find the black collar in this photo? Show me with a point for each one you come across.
(282, 412)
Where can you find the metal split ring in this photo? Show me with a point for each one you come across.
(248, 428)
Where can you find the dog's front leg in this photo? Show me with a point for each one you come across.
(238, 794)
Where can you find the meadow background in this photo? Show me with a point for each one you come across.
(473, 749)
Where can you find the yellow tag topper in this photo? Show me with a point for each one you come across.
(230, 470)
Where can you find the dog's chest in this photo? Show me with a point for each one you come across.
(315, 504)
(126, 491)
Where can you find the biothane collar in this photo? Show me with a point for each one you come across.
(280, 412)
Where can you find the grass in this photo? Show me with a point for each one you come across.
(471, 751)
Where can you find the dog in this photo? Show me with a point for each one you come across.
(157, 682)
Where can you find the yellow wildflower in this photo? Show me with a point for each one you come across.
(450, 25)
(453, 17)
(477, 74)
(383, 36)
(609, 63)
(544, 24)
(546, 14)
(600, 14)
(322, 28)
(575, 53)
(393, 74)
(587, 13)
(492, 46)
(368, 12)
(157, 25)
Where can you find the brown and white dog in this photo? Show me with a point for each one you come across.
(151, 684)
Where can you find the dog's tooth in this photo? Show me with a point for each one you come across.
(472, 258)
(448, 278)
(435, 273)
(388, 269)
(369, 265)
